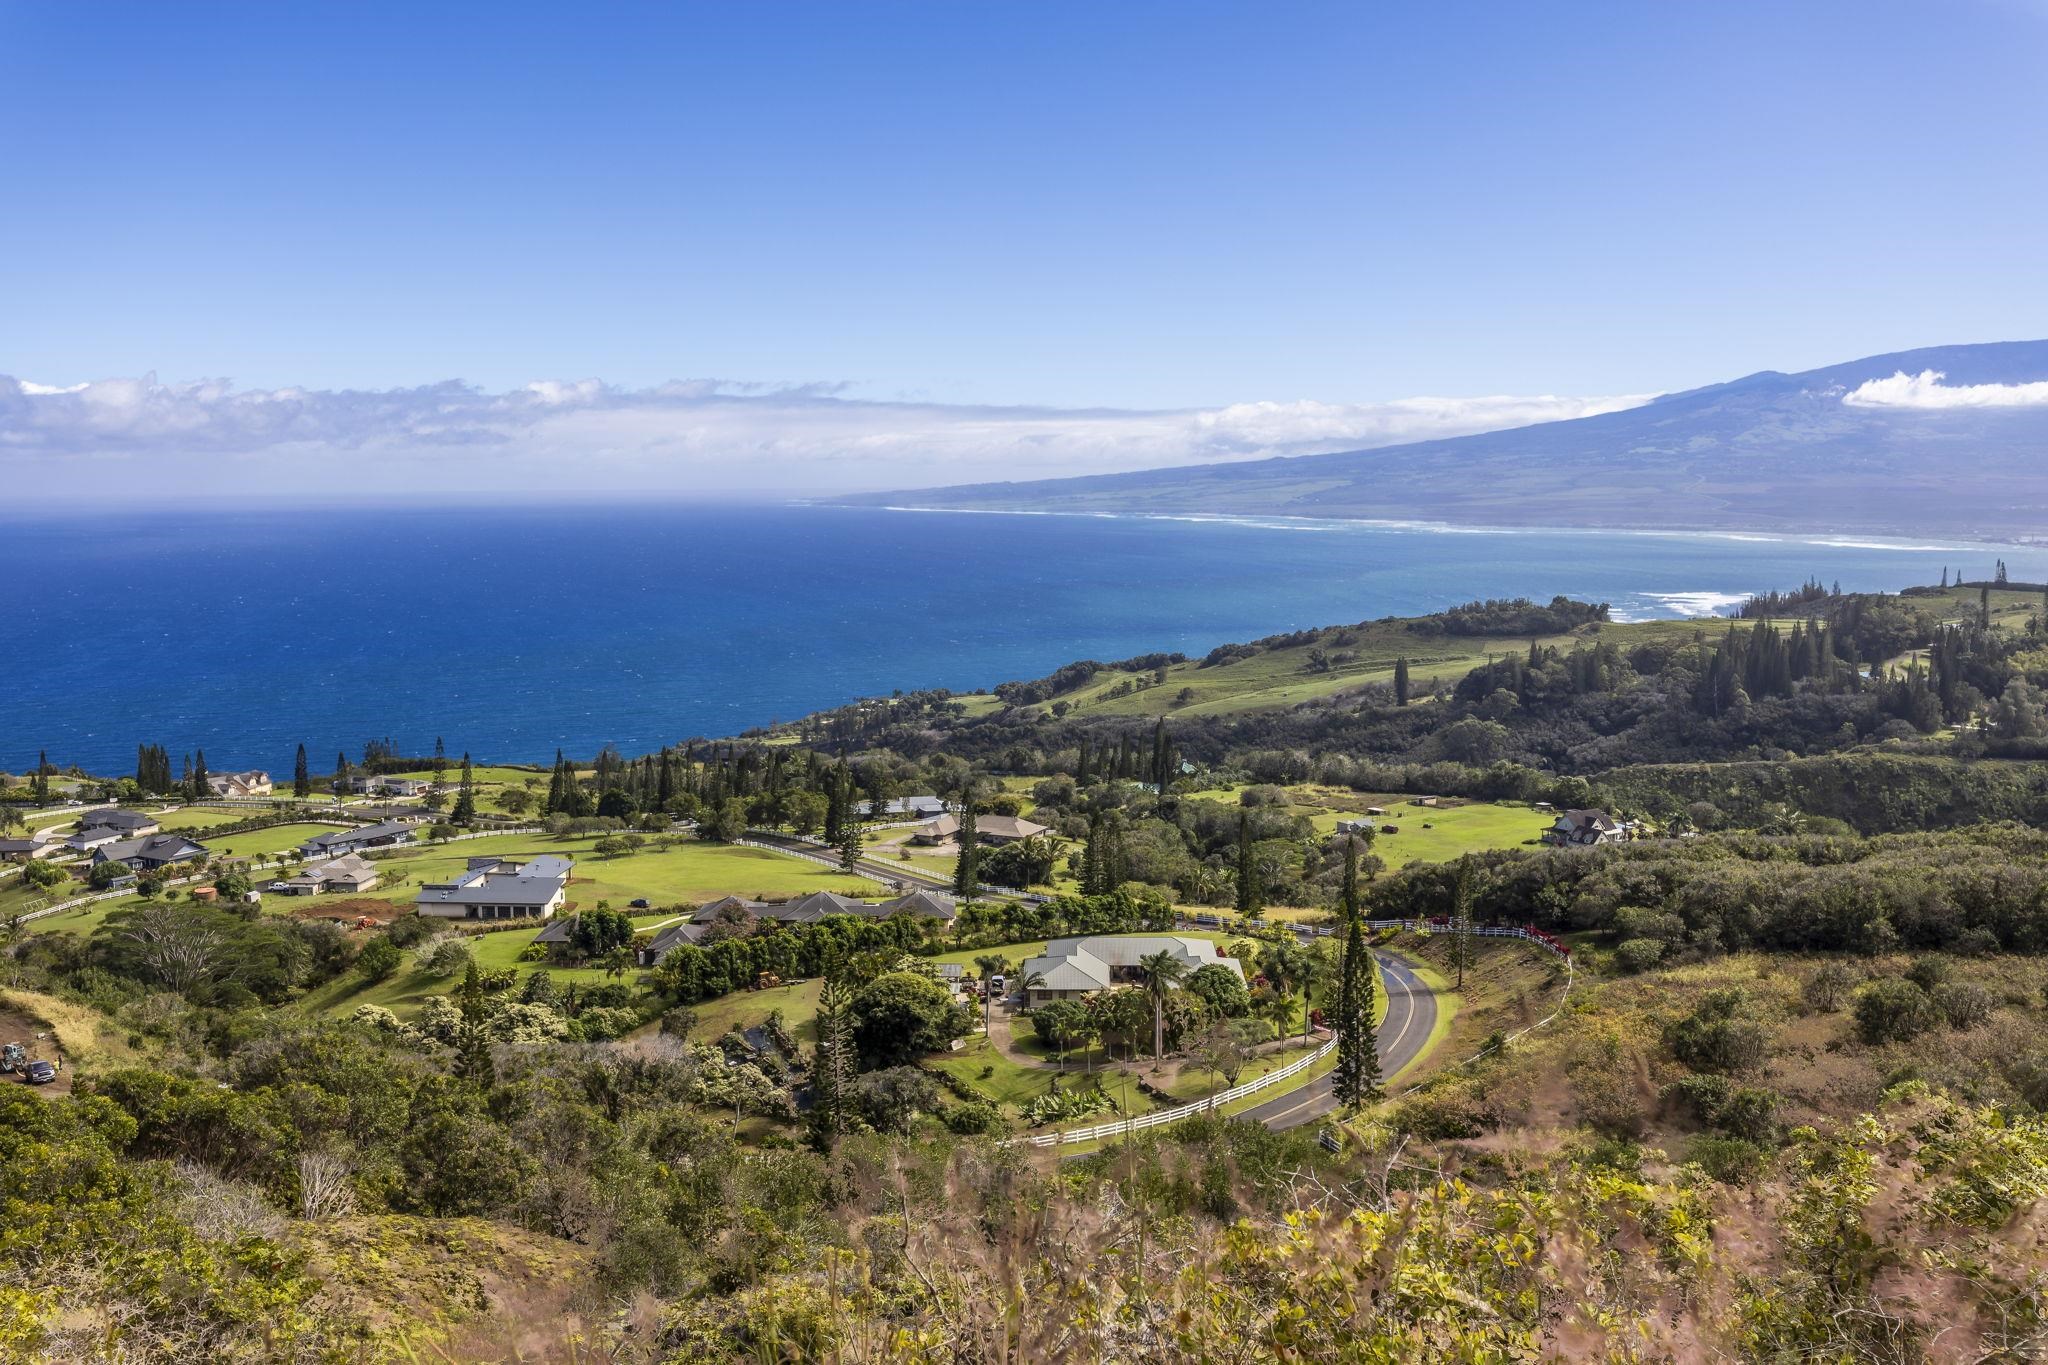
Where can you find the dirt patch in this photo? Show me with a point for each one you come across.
(17, 1027)
(348, 911)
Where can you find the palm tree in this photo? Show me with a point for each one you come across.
(1287, 969)
(1163, 971)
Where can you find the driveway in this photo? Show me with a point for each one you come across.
(1411, 1016)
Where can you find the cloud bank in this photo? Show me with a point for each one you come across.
(705, 436)
(1927, 390)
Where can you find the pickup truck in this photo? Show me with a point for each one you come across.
(39, 1072)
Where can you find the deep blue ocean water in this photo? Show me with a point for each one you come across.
(512, 631)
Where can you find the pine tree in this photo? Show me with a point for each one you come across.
(302, 777)
(1461, 918)
(849, 846)
(832, 1061)
(440, 763)
(465, 799)
(1401, 681)
(340, 772)
(1357, 1077)
(966, 872)
(473, 1060)
(1247, 877)
(41, 786)
(196, 788)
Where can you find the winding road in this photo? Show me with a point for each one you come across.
(1403, 1034)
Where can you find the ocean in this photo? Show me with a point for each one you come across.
(513, 631)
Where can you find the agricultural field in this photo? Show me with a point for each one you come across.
(1453, 829)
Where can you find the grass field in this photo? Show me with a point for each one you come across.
(265, 843)
(1443, 833)
(1287, 675)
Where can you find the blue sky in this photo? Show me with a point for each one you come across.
(1150, 206)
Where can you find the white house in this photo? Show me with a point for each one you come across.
(1075, 967)
(500, 888)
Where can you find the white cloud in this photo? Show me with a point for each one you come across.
(686, 436)
(1927, 390)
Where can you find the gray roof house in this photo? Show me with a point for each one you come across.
(916, 807)
(349, 872)
(24, 849)
(667, 938)
(384, 834)
(1584, 828)
(1076, 967)
(100, 827)
(149, 852)
(923, 904)
(499, 888)
(988, 829)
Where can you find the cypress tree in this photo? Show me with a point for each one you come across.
(465, 799)
(440, 762)
(833, 1061)
(965, 871)
(1247, 879)
(1357, 1078)
(340, 771)
(302, 777)
(196, 788)
(1401, 681)
(849, 845)
(41, 786)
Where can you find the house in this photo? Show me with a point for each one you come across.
(381, 784)
(1072, 968)
(22, 850)
(916, 807)
(499, 888)
(100, 827)
(988, 829)
(667, 938)
(922, 904)
(384, 834)
(1357, 827)
(1584, 828)
(350, 872)
(254, 782)
(150, 852)
(1426, 801)
(1375, 810)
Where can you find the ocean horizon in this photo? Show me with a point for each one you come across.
(511, 631)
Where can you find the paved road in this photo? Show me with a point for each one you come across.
(926, 881)
(1411, 1015)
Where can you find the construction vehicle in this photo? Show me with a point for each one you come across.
(13, 1058)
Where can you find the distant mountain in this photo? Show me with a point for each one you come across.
(1768, 452)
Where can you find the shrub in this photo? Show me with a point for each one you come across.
(1892, 1010)
(900, 1016)
(971, 1119)
(1929, 972)
(1828, 988)
(102, 876)
(1731, 1161)
(380, 958)
(1638, 955)
(1965, 1004)
(678, 1022)
(1714, 1037)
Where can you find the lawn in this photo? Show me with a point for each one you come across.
(689, 872)
(1451, 831)
(267, 842)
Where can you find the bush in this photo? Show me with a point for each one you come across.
(380, 958)
(1965, 1004)
(1892, 1010)
(1639, 955)
(1729, 1160)
(1714, 1038)
(678, 1022)
(970, 1120)
(1929, 972)
(1828, 988)
(102, 876)
(446, 956)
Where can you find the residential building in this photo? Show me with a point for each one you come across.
(1360, 826)
(989, 829)
(916, 807)
(666, 939)
(150, 852)
(22, 850)
(384, 834)
(1584, 828)
(382, 784)
(500, 888)
(1072, 968)
(97, 828)
(351, 872)
(254, 782)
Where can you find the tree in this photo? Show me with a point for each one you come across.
(473, 1060)
(465, 797)
(341, 771)
(990, 965)
(440, 764)
(899, 1017)
(600, 931)
(197, 788)
(102, 876)
(1221, 989)
(1401, 681)
(1063, 1024)
(302, 777)
(1225, 1051)
(1163, 971)
(1461, 918)
(1357, 1078)
(849, 846)
(379, 959)
(1247, 873)
(41, 785)
(833, 1062)
(966, 872)
(1288, 968)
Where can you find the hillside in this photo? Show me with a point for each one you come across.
(1770, 451)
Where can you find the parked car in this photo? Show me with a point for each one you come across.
(640, 904)
(40, 1072)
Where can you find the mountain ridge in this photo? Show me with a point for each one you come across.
(1765, 451)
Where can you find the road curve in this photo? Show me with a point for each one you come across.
(1411, 1017)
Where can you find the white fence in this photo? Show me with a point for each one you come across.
(1125, 1127)
(1547, 942)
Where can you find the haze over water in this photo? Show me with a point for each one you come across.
(513, 631)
